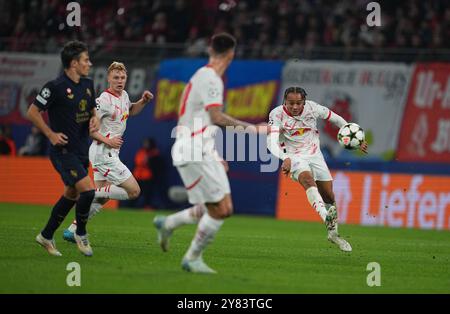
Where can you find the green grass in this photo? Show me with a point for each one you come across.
(251, 254)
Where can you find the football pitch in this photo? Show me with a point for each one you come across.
(251, 255)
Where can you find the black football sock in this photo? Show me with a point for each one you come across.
(59, 212)
(82, 210)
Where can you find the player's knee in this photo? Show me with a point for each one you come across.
(225, 211)
(71, 194)
(306, 181)
(134, 192)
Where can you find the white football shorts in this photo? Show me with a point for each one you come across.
(205, 181)
(313, 163)
(111, 170)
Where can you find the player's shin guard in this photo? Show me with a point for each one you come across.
(187, 216)
(206, 230)
(82, 211)
(112, 192)
(59, 212)
(316, 201)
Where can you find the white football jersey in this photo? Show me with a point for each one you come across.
(195, 131)
(299, 135)
(113, 112)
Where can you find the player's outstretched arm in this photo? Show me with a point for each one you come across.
(336, 119)
(137, 107)
(222, 119)
(35, 116)
(328, 115)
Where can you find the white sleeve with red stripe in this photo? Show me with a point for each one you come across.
(274, 146)
(212, 93)
(326, 114)
(273, 138)
(103, 105)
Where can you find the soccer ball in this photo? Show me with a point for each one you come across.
(350, 136)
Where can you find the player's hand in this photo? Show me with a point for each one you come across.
(363, 147)
(58, 139)
(146, 96)
(286, 166)
(94, 124)
(115, 142)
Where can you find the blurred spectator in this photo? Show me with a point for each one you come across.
(7, 145)
(35, 144)
(268, 25)
(147, 169)
(159, 30)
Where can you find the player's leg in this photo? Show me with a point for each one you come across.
(208, 226)
(166, 225)
(67, 167)
(97, 204)
(123, 185)
(305, 178)
(119, 174)
(214, 190)
(108, 180)
(59, 213)
(186, 216)
(191, 175)
(326, 191)
(324, 183)
(87, 193)
(131, 186)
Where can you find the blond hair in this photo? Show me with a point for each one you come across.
(119, 66)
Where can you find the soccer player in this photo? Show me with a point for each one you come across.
(70, 102)
(112, 178)
(205, 178)
(294, 138)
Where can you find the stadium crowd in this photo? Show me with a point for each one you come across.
(267, 28)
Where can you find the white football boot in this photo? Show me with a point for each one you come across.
(83, 244)
(49, 245)
(332, 227)
(164, 234)
(196, 266)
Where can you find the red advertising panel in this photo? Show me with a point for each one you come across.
(425, 130)
(32, 180)
(375, 199)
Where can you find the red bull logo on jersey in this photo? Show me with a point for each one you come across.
(300, 132)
